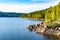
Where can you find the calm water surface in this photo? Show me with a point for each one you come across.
(16, 29)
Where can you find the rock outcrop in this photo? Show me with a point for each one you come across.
(41, 28)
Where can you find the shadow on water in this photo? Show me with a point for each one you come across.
(46, 36)
(51, 36)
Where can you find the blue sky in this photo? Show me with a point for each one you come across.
(25, 6)
(27, 1)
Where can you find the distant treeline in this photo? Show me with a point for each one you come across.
(10, 14)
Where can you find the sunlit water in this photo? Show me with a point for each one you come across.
(16, 29)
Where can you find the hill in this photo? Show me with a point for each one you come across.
(10, 14)
(49, 14)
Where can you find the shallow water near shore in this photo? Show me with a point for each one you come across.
(16, 29)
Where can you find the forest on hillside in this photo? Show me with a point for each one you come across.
(49, 14)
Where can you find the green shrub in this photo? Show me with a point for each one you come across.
(54, 24)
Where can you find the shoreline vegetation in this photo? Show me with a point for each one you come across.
(36, 19)
(50, 18)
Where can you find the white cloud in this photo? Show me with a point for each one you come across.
(44, 1)
(25, 8)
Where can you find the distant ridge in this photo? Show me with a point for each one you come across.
(10, 14)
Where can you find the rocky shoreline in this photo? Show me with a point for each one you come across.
(41, 28)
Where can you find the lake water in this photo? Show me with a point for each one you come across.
(16, 29)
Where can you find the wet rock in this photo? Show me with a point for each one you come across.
(31, 27)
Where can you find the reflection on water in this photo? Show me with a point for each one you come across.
(52, 36)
